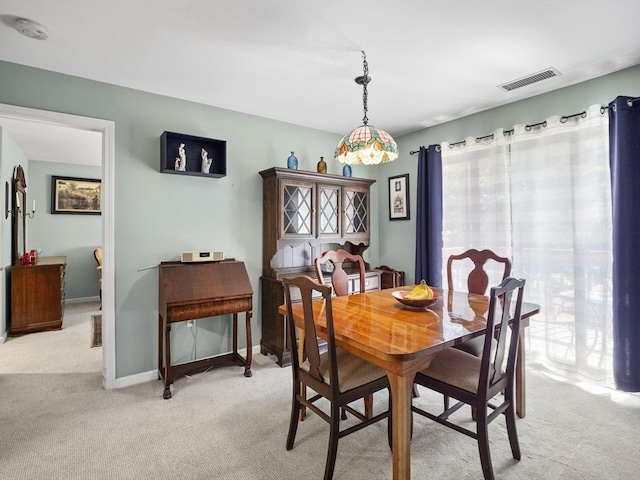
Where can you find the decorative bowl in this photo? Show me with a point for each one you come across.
(422, 303)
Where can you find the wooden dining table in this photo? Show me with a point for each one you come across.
(402, 341)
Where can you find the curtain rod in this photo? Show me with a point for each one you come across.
(563, 119)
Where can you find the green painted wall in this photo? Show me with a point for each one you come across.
(74, 236)
(157, 215)
(397, 238)
(10, 157)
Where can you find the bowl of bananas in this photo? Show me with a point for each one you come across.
(420, 297)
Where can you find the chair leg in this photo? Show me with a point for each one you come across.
(295, 416)
(510, 417)
(368, 406)
(483, 443)
(334, 432)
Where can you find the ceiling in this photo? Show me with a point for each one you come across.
(295, 61)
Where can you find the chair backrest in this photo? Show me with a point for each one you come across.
(495, 375)
(339, 277)
(97, 254)
(310, 349)
(478, 280)
(390, 277)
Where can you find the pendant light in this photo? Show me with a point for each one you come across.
(366, 144)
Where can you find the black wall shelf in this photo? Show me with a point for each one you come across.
(193, 145)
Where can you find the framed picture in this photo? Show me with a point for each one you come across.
(75, 195)
(399, 197)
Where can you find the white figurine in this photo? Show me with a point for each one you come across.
(206, 161)
(181, 159)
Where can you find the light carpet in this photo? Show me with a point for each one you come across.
(221, 425)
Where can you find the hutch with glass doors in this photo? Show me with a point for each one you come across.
(304, 215)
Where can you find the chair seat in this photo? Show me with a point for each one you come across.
(475, 346)
(352, 371)
(455, 367)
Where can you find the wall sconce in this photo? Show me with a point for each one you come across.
(19, 212)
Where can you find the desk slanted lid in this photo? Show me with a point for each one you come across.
(193, 282)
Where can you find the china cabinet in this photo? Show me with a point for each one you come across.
(305, 214)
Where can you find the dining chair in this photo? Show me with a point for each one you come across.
(475, 380)
(477, 282)
(340, 283)
(390, 278)
(335, 375)
(97, 254)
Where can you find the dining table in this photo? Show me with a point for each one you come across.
(402, 340)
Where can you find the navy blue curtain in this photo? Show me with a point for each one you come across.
(624, 155)
(429, 217)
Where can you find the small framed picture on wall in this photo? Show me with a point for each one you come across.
(399, 197)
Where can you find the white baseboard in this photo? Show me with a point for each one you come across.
(152, 375)
(81, 300)
(3, 338)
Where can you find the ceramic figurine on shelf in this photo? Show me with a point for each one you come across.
(346, 170)
(206, 161)
(322, 166)
(181, 159)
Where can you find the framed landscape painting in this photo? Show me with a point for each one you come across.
(399, 197)
(75, 195)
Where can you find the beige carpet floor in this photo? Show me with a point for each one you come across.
(59, 424)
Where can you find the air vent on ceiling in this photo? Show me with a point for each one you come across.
(529, 79)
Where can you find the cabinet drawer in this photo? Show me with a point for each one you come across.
(371, 282)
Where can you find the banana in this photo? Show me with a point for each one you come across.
(421, 291)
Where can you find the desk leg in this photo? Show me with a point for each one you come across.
(247, 365)
(401, 392)
(168, 376)
(521, 401)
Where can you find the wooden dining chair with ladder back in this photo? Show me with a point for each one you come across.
(335, 375)
(476, 381)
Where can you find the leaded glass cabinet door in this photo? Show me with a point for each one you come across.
(298, 210)
(355, 219)
(328, 211)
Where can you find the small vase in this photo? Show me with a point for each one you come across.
(292, 161)
(322, 166)
(346, 170)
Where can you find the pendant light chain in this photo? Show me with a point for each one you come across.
(365, 80)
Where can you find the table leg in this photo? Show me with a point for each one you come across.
(521, 402)
(401, 392)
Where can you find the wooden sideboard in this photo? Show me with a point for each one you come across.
(37, 296)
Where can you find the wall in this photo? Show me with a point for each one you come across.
(397, 238)
(74, 236)
(10, 157)
(157, 215)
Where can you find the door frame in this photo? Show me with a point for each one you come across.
(107, 129)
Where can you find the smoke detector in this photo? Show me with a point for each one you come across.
(31, 29)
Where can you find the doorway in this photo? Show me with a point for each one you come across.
(107, 129)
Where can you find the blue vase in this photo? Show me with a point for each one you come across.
(292, 161)
(346, 170)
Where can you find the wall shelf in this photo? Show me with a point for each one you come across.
(193, 145)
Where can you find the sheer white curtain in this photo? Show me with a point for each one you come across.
(476, 200)
(550, 183)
